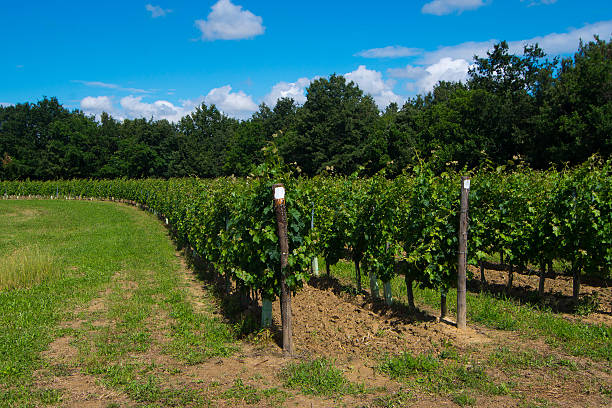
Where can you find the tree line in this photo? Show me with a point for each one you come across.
(512, 107)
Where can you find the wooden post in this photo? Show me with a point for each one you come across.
(483, 278)
(443, 307)
(510, 276)
(542, 279)
(576, 282)
(462, 257)
(281, 223)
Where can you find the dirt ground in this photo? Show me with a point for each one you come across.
(352, 331)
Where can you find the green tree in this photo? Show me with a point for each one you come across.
(203, 139)
(514, 89)
(332, 128)
(578, 109)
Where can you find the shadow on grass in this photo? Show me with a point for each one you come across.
(240, 309)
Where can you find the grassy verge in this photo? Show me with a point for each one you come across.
(499, 312)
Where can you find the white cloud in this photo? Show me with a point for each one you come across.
(539, 2)
(465, 50)
(424, 78)
(5, 104)
(98, 84)
(228, 21)
(552, 44)
(442, 7)
(392, 51)
(566, 43)
(134, 107)
(95, 105)
(295, 90)
(371, 82)
(236, 104)
(157, 11)
(409, 71)
(447, 69)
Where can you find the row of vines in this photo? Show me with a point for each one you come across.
(406, 226)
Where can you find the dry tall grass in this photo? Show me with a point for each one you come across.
(26, 267)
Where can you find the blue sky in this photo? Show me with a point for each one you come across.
(161, 58)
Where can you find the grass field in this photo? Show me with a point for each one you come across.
(106, 263)
(97, 308)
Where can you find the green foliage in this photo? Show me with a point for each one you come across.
(407, 225)
(332, 127)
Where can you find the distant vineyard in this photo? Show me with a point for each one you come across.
(406, 226)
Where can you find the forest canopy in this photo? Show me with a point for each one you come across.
(512, 107)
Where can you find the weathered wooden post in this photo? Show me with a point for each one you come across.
(281, 223)
(542, 279)
(443, 306)
(462, 256)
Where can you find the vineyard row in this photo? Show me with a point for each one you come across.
(406, 226)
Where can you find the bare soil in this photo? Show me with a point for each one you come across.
(354, 332)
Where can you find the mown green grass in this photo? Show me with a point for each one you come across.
(505, 313)
(97, 249)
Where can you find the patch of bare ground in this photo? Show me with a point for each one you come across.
(60, 350)
(62, 371)
(356, 333)
(194, 286)
(335, 324)
(256, 367)
(353, 331)
(24, 214)
(81, 390)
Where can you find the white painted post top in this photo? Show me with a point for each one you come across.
(279, 192)
(466, 184)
